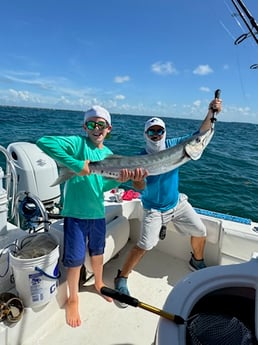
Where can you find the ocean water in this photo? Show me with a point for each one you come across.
(224, 179)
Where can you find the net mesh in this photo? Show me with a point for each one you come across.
(215, 329)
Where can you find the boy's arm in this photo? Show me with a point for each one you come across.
(61, 149)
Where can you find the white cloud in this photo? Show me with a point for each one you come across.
(163, 68)
(203, 70)
(22, 95)
(32, 79)
(205, 89)
(197, 103)
(121, 79)
(120, 97)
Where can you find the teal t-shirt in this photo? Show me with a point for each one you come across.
(83, 195)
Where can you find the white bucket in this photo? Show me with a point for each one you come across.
(36, 279)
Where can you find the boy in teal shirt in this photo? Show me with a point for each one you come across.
(83, 206)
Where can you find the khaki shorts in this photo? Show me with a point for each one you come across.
(185, 220)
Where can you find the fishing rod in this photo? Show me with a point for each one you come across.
(216, 95)
(252, 27)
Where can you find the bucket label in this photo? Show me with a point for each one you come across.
(36, 287)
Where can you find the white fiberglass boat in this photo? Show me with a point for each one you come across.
(162, 279)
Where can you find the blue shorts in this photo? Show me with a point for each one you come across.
(80, 234)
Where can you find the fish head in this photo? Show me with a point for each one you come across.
(195, 147)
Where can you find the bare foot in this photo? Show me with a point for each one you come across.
(109, 299)
(72, 313)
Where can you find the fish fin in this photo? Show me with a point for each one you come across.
(64, 175)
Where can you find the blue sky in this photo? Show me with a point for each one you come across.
(142, 57)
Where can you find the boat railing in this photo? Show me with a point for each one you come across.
(10, 180)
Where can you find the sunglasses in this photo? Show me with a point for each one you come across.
(92, 125)
(152, 132)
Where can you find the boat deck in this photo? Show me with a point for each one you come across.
(105, 323)
(151, 282)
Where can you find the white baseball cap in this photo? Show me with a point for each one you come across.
(97, 111)
(154, 121)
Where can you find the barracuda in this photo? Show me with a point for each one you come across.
(155, 163)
